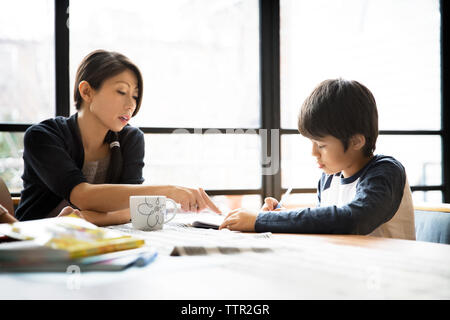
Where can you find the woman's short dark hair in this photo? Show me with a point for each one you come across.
(100, 65)
(95, 68)
(340, 108)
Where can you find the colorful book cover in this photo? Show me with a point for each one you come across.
(66, 237)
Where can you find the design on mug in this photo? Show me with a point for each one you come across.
(150, 210)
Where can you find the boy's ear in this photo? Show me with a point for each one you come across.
(357, 142)
(86, 91)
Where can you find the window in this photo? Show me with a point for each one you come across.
(27, 83)
(199, 59)
(217, 72)
(200, 66)
(27, 68)
(392, 47)
(211, 161)
(11, 164)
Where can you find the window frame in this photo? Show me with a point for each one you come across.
(269, 20)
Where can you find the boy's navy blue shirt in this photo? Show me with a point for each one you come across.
(359, 204)
(53, 160)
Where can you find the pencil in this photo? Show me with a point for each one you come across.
(283, 198)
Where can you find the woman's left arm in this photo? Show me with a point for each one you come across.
(106, 218)
(5, 216)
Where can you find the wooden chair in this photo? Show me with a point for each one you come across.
(432, 221)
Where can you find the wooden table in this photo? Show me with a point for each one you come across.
(296, 267)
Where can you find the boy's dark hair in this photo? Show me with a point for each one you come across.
(340, 108)
(95, 68)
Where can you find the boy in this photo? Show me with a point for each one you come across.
(358, 193)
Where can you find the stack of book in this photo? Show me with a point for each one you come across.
(55, 244)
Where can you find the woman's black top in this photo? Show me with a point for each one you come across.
(53, 159)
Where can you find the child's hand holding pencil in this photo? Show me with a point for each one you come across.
(272, 204)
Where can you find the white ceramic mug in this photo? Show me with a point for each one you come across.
(148, 213)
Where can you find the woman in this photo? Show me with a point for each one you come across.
(93, 160)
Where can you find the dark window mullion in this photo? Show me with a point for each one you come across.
(269, 24)
(384, 132)
(445, 97)
(231, 192)
(62, 58)
(199, 130)
(427, 188)
(14, 127)
(410, 132)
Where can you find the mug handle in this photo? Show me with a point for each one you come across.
(174, 212)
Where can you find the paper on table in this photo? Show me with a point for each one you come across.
(205, 250)
(179, 233)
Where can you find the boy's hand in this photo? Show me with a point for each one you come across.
(239, 220)
(270, 204)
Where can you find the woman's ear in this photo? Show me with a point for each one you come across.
(357, 142)
(86, 91)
